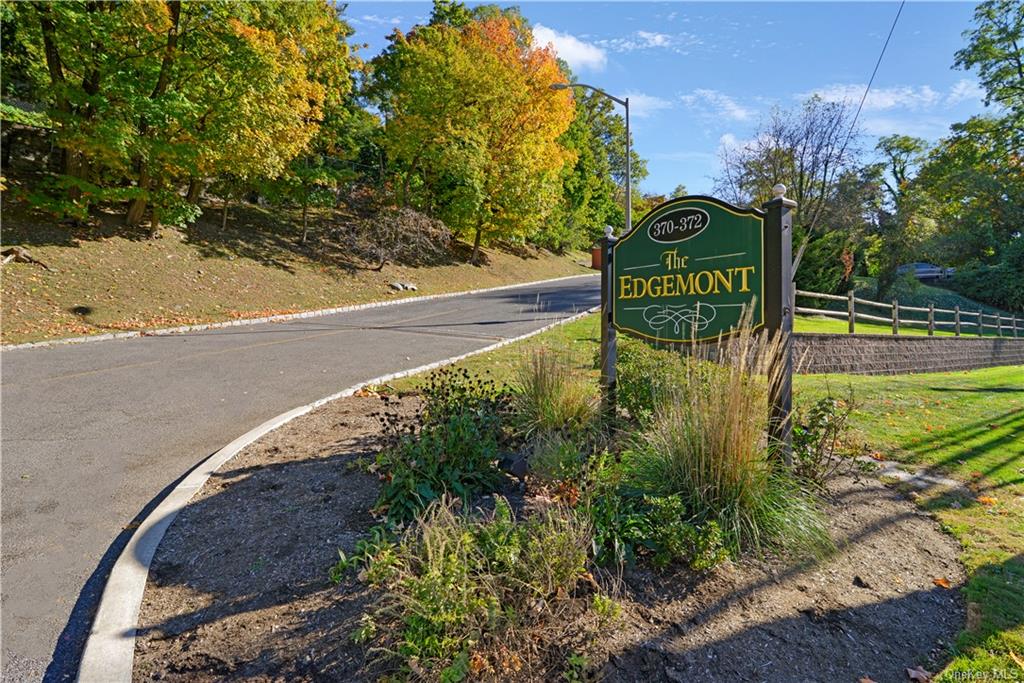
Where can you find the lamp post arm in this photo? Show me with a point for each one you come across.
(624, 102)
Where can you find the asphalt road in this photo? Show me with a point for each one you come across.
(93, 433)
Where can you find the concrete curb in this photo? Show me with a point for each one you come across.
(273, 318)
(109, 651)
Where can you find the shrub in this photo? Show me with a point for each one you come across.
(462, 588)
(629, 526)
(549, 396)
(451, 447)
(555, 457)
(818, 435)
(707, 445)
(644, 374)
(1000, 285)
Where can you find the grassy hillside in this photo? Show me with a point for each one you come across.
(920, 295)
(105, 278)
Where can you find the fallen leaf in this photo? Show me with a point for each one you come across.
(865, 679)
(942, 583)
(986, 500)
(919, 674)
(877, 455)
(1018, 660)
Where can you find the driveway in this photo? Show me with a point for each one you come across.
(92, 434)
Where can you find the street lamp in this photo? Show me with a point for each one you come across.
(629, 179)
(608, 342)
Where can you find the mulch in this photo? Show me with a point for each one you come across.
(239, 586)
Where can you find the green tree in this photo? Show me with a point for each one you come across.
(908, 221)
(995, 49)
(165, 93)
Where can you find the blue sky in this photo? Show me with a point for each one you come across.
(700, 75)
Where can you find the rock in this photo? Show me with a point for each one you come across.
(410, 286)
(397, 286)
(517, 466)
(860, 583)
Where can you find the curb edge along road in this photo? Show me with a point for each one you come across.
(109, 653)
(320, 312)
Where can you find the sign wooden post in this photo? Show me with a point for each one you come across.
(778, 312)
(608, 341)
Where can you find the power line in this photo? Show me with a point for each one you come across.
(871, 80)
(849, 134)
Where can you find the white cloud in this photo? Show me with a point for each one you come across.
(880, 99)
(374, 19)
(729, 141)
(963, 90)
(927, 127)
(652, 40)
(642, 106)
(721, 105)
(578, 54)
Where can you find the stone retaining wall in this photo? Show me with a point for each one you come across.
(879, 354)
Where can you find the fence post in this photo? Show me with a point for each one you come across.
(851, 311)
(981, 322)
(999, 324)
(895, 316)
(956, 319)
(1014, 325)
(931, 319)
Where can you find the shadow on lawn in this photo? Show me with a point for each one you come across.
(974, 440)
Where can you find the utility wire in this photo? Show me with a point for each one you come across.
(871, 80)
(849, 134)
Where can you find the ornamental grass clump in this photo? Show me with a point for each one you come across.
(707, 444)
(548, 395)
(465, 595)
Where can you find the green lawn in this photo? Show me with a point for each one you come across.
(824, 325)
(968, 426)
(965, 425)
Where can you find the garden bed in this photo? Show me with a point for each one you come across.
(239, 587)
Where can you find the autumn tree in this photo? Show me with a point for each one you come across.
(472, 126)
(166, 93)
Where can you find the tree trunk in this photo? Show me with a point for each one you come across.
(195, 188)
(476, 245)
(305, 223)
(154, 223)
(138, 206)
(224, 214)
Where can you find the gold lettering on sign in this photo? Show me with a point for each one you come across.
(672, 259)
(702, 282)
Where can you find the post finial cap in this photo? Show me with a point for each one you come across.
(779, 191)
(609, 231)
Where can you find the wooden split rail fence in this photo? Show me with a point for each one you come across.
(978, 320)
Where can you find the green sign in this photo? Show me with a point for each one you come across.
(688, 271)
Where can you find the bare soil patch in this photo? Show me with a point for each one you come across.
(239, 586)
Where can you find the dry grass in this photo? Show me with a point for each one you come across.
(105, 278)
(707, 443)
(550, 395)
